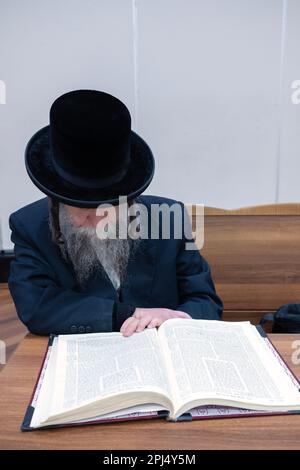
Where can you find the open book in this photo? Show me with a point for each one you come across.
(184, 369)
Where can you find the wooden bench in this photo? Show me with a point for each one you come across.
(254, 254)
(12, 331)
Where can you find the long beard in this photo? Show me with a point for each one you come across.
(87, 252)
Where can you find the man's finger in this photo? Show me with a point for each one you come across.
(138, 313)
(182, 314)
(125, 323)
(143, 322)
(155, 322)
(130, 327)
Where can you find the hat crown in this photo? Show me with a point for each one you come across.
(88, 154)
(90, 135)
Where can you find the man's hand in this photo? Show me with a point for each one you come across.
(149, 318)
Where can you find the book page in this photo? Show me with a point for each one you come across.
(95, 366)
(127, 413)
(224, 360)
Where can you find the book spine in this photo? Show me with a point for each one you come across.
(25, 426)
(261, 331)
(183, 417)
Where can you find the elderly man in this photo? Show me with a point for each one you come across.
(68, 278)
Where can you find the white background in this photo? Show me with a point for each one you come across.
(208, 84)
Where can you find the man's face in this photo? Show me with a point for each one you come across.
(85, 248)
(82, 217)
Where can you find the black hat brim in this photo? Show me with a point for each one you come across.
(40, 168)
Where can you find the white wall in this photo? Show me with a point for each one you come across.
(289, 164)
(208, 84)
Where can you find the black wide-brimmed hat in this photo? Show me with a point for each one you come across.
(88, 154)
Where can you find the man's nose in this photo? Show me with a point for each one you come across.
(92, 217)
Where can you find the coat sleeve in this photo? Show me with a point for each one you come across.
(44, 306)
(197, 294)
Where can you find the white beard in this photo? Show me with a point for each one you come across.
(85, 250)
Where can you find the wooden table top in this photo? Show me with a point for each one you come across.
(18, 378)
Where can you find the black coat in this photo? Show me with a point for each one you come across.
(49, 300)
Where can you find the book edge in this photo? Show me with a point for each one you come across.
(279, 356)
(25, 426)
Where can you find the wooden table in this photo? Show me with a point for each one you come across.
(19, 376)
